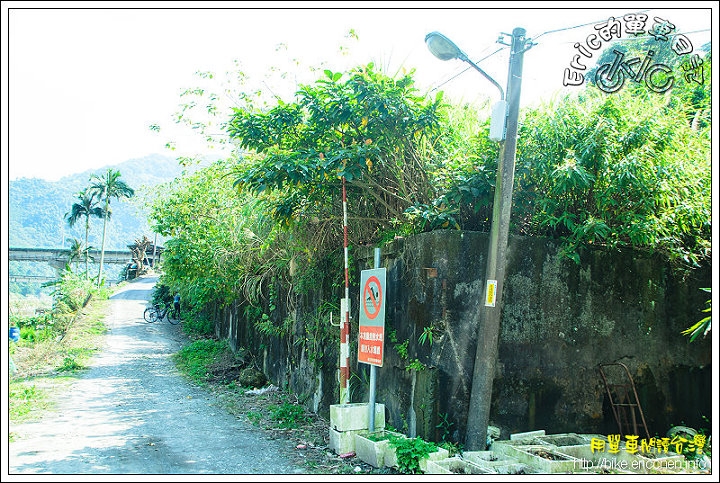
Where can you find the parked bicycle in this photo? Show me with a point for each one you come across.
(159, 312)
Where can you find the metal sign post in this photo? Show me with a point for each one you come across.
(371, 334)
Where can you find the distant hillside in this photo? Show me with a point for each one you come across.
(37, 210)
(37, 207)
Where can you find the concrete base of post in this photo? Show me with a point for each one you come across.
(348, 419)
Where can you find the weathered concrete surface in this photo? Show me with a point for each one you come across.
(559, 321)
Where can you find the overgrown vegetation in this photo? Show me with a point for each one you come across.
(704, 325)
(631, 170)
(409, 452)
(597, 172)
(195, 359)
(53, 345)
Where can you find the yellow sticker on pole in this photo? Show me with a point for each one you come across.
(490, 292)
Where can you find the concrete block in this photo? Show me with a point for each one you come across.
(355, 417)
(457, 466)
(527, 436)
(504, 447)
(544, 459)
(374, 448)
(370, 451)
(437, 455)
(435, 468)
(563, 439)
(488, 458)
(498, 462)
(627, 463)
(342, 441)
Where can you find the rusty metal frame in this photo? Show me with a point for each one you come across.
(621, 403)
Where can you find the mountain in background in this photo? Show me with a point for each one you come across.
(37, 210)
(37, 207)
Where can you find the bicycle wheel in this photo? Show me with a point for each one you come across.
(173, 318)
(150, 315)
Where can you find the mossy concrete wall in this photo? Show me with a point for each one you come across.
(559, 321)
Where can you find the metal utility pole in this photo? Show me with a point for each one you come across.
(489, 327)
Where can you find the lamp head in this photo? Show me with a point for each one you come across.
(442, 47)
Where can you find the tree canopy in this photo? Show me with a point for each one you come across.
(374, 131)
(606, 171)
(629, 169)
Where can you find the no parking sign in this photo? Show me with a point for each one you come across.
(372, 316)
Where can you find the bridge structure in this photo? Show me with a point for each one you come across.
(58, 258)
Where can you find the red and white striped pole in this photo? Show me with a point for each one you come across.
(345, 324)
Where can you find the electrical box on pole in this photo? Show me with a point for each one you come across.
(497, 121)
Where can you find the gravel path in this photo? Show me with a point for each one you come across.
(133, 413)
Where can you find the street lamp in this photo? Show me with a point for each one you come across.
(487, 344)
(444, 49)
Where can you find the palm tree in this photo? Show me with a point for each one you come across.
(86, 208)
(106, 187)
(76, 252)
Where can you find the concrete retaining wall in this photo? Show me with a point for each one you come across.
(559, 321)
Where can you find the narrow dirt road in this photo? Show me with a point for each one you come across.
(133, 413)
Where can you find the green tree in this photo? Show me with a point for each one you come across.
(630, 169)
(372, 131)
(222, 247)
(642, 47)
(463, 173)
(85, 208)
(76, 252)
(106, 187)
(626, 170)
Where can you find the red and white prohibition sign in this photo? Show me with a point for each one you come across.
(372, 317)
(372, 297)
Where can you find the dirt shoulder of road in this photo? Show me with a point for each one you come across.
(133, 398)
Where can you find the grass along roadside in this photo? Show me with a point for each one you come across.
(44, 369)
